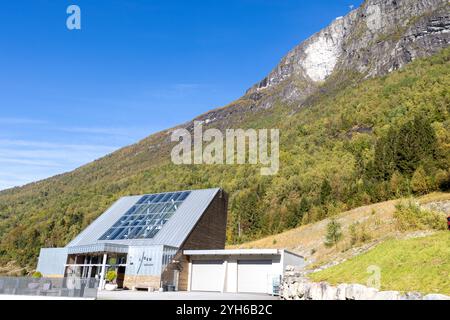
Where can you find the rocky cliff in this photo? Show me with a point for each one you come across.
(377, 38)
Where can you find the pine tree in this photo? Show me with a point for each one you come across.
(334, 233)
(385, 156)
(325, 192)
(405, 149)
(416, 142)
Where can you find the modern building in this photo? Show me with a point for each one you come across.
(250, 270)
(172, 240)
(141, 236)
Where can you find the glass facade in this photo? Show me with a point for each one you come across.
(146, 217)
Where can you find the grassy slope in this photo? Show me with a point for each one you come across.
(420, 264)
(308, 240)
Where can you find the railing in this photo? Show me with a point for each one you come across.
(56, 287)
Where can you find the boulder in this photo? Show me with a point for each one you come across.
(340, 291)
(355, 292)
(316, 291)
(435, 296)
(330, 293)
(303, 289)
(369, 294)
(411, 296)
(387, 295)
(290, 268)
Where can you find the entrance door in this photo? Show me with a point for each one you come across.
(120, 276)
(254, 276)
(207, 275)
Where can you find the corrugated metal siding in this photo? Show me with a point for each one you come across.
(98, 247)
(144, 260)
(168, 255)
(51, 261)
(173, 233)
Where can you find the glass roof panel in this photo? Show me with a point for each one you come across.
(146, 217)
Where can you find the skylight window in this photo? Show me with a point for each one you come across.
(146, 217)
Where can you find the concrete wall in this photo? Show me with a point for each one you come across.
(291, 259)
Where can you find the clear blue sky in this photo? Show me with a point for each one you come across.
(136, 67)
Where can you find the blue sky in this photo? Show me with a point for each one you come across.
(135, 67)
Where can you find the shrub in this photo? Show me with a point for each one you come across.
(419, 181)
(111, 276)
(358, 233)
(411, 216)
(37, 275)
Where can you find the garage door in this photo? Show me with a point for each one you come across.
(254, 275)
(207, 275)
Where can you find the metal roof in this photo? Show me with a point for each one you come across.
(232, 252)
(173, 233)
(239, 252)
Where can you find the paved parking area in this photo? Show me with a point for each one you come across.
(143, 295)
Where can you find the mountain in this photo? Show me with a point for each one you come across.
(363, 112)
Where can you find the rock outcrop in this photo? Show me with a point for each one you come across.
(377, 38)
(296, 286)
(440, 206)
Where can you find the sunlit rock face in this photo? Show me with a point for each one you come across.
(379, 37)
(323, 51)
(375, 39)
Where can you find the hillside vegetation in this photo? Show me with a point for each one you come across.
(363, 228)
(419, 264)
(354, 143)
(403, 238)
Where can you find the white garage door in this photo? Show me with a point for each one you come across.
(207, 275)
(254, 275)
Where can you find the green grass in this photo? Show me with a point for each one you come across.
(420, 264)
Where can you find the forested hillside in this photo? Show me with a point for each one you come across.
(353, 142)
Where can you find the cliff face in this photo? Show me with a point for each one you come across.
(375, 39)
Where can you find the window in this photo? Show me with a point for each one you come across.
(146, 217)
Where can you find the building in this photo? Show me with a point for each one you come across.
(172, 240)
(141, 236)
(250, 271)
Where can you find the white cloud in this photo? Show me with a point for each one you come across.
(20, 121)
(108, 131)
(25, 161)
